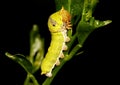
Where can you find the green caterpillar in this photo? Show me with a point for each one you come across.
(58, 24)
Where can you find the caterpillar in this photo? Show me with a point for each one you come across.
(58, 24)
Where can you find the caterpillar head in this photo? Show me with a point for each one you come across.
(59, 21)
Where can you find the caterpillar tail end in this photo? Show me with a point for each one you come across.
(47, 74)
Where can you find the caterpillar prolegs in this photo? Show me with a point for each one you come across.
(58, 24)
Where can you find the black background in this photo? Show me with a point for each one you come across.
(94, 66)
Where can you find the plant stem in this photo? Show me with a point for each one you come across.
(73, 52)
(30, 76)
(34, 80)
(71, 42)
(69, 5)
(26, 82)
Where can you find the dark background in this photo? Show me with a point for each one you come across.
(94, 66)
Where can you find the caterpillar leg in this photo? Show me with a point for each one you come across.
(57, 62)
(65, 47)
(61, 55)
(67, 39)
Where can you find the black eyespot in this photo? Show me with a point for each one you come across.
(53, 24)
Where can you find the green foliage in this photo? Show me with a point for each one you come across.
(31, 63)
(36, 48)
(85, 28)
(84, 23)
(20, 59)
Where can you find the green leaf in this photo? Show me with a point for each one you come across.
(85, 28)
(83, 31)
(88, 9)
(87, 24)
(73, 6)
(22, 60)
(36, 48)
(98, 23)
(34, 41)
